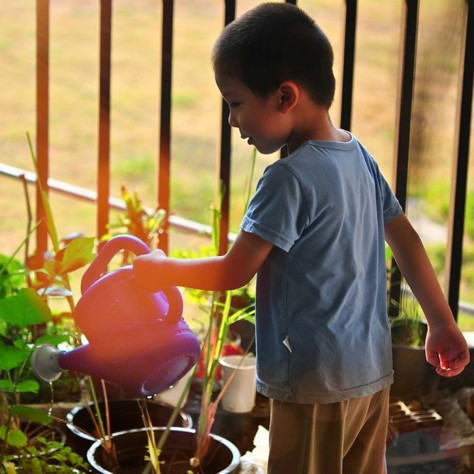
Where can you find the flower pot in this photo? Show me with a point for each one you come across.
(239, 395)
(412, 373)
(223, 457)
(124, 415)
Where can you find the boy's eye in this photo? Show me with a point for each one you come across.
(233, 105)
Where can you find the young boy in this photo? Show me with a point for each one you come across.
(314, 234)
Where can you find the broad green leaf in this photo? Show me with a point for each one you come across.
(52, 339)
(3, 327)
(6, 386)
(51, 268)
(15, 437)
(77, 254)
(9, 467)
(28, 386)
(11, 357)
(33, 414)
(11, 275)
(24, 309)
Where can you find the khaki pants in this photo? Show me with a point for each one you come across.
(347, 437)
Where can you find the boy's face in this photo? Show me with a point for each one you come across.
(258, 119)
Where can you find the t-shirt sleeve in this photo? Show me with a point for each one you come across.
(391, 207)
(277, 212)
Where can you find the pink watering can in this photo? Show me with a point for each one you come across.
(136, 339)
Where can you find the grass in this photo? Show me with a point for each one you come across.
(136, 44)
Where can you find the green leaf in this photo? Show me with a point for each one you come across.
(9, 467)
(50, 224)
(77, 254)
(6, 386)
(11, 357)
(28, 386)
(11, 275)
(14, 438)
(3, 327)
(33, 414)
(24, 309)
(53, 339)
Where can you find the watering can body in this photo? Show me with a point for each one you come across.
(136, 339)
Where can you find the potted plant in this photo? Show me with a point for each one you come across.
(122, 414)
(412, 373)
(27, 437)
(28, 319)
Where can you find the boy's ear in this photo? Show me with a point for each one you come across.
(289, 93)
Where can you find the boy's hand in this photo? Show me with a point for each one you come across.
(446, 349)
(147, 270)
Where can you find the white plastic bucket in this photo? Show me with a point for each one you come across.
(239, 396)
(172, 395)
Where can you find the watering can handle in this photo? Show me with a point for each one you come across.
(98, 267)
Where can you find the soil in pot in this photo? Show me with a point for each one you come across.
(130, 446)
(124, 415)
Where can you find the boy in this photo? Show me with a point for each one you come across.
(314, 234)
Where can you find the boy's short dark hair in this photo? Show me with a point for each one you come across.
(275, 42)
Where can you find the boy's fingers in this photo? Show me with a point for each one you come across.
(450, 368)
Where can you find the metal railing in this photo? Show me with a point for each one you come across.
(402, 134)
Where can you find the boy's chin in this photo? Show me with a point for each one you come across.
(267, 150)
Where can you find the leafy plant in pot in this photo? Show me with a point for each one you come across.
(413, 375)
(27, 437)
(121, 414)
(28, 318)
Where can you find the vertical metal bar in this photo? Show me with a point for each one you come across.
(164, 159)
(402, 139)
(461, 161)
(103, 182)
(348, 64)
(405, 99)
(224, 154)
(42, 118)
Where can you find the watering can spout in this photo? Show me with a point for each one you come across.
(48, 362)
(136, 339)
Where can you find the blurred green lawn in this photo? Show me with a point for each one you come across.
(136, 45)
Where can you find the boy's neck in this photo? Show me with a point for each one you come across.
(314, 124)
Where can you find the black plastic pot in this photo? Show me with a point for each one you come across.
(124, 415)
(130, 446)
(412, 374)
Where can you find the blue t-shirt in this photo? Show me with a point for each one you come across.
(322, 331)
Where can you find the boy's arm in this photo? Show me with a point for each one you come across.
(232, 270)
(446, 348)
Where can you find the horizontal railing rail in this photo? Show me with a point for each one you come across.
(85, 194)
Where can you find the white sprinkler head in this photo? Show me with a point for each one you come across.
(44, 361)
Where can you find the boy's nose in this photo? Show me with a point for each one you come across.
(232, 121)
